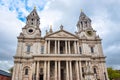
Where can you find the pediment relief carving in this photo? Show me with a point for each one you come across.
(62, 34)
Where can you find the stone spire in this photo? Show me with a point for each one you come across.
(84, 22)
(33, 19)
(50, 29)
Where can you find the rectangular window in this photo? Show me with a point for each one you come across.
(83, 72)
(92, 49)
(28, 48)
(80, 50)
(42, 49)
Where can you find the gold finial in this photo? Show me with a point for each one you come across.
(34, 7)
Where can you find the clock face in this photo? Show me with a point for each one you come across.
(30, 30)
(89, 33)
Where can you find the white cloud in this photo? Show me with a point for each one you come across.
(64, 12)
(9, 30)
(6, 65)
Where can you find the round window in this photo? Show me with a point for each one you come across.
(30, 30)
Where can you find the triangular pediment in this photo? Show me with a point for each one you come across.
(61, 34)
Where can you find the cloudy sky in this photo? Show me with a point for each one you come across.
(103, 13)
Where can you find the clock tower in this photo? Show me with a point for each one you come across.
(84, 28)
(31, 29)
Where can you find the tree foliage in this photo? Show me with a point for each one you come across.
(113, 74)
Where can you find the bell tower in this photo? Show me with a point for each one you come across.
(33, 19)
(84, 22)
(31, 29)
(84, 27)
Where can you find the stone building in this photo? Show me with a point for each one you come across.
(5, 75)
(59, 55)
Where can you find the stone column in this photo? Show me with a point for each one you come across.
(37, 75)
(59, 71)
(35, 69)
(58, 47)
(55, 70)
(71, 78)
(48, 75)
(75, 47)
(48, 46)
(80, 70)
(89, 66)
(67, 71)
(55, 47)
(86, 66)
(66, 47)
(44, 70)
(69, 47)
(78, 51)
(77, 71)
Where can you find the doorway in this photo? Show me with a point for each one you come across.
(41, 77)
(62, 74)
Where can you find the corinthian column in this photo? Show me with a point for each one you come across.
(77, 70)
(55, 47)
(69, 47)
(55, 70)
(67, 71)
(45, 46)
(75, 47)
(37, 76)
(48, 46)
(80, 70)
(44, 70)
(58, 47)
(71, 70)
(66, 47)
(48, 76)
(59, 71)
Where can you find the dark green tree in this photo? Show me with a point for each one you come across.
(113, 74)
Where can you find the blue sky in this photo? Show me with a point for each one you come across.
(103, 13)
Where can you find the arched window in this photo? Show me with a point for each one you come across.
(94, 70)
(26, 71)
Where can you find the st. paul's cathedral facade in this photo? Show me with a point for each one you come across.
(59, 55)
